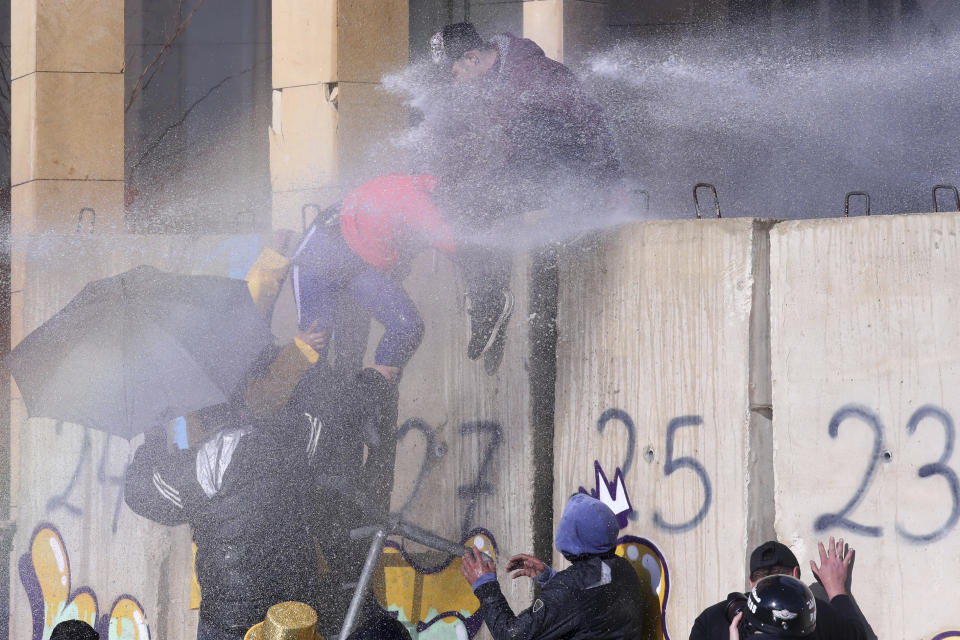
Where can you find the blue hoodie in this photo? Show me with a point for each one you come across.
(587, 527)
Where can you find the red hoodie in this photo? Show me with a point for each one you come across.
(393, 216)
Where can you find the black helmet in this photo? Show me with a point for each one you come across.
(780, 606)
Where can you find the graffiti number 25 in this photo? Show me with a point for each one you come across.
(938, 468)
(684, 462)
(671, 465)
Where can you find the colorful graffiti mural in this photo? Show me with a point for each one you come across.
(432, 602)
(651, 568)
(437, 603)
(45, 575)
(613, 494)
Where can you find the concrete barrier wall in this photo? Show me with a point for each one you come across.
(652, 389)
(679, 341)
(78, 550)
(866, 366)
(672, 335)
(465, 455)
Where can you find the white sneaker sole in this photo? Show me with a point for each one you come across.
(501, 321)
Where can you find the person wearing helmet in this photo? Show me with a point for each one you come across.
(776, 607)
(838, 617)
(598, 596)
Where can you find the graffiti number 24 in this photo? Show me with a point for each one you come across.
(938, 468)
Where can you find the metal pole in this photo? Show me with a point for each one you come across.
(369, 566)
(429, 539)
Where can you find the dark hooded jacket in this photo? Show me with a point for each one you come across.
(238, 491)
(548, 115)
(530, 127)
(598, 596)
(247, 492)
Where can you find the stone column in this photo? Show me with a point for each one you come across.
(67, 114)
(328, 107)
(565, 29)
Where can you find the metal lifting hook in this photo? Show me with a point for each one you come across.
(950, 187)
(846, 202)
(93, 219)
(696, 198)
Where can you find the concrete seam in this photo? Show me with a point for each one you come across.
(543, 298)
(760, 490)
(38, 71)
(20, 184)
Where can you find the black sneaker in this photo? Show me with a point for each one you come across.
(377, 399)
(488, 320)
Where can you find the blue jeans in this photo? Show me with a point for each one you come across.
(324, 267)
(209, 632)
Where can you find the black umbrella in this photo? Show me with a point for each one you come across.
(139, 349)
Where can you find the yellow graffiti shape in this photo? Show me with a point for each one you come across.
(422, 597)
(646, 562)
(194, 583)
(127, 621)
(49, 558)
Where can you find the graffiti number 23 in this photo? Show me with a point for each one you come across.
(938, 468)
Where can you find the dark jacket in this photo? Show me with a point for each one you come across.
(239, 491)
(836, 620)
(598, 596)
(549, 117)
(527, 136)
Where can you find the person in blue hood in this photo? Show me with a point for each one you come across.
(598, 596)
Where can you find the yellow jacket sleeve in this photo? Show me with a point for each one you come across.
(268, 392)
(265, 278)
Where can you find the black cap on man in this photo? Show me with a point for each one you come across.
(449, 44)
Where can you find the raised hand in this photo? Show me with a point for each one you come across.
(525, 565)
(314, 337)
(834, 567)
(475, 565)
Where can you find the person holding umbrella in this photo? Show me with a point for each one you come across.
(247, 486)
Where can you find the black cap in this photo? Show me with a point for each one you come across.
(772, 554)
(457, 39)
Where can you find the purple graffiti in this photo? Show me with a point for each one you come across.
(613, 494)
(31, 577)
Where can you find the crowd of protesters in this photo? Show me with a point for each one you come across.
(273, 479)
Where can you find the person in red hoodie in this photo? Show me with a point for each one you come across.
(366, 251)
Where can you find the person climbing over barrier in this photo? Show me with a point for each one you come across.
(516, 132)
(364, 247)
(598, 596)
